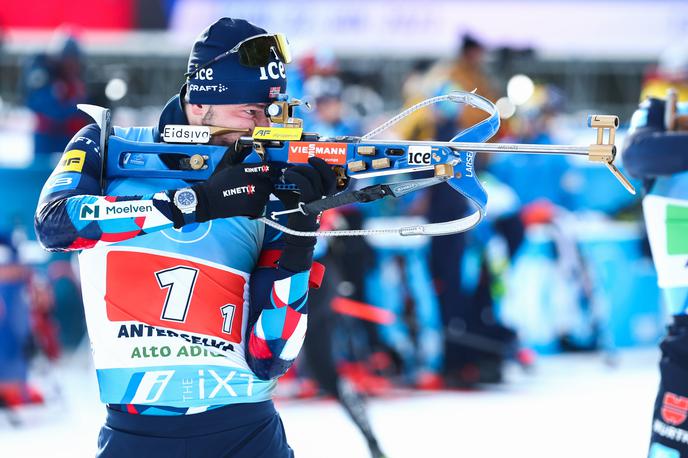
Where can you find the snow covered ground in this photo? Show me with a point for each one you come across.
(571, 406)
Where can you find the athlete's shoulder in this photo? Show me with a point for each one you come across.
(136, 134)
(90, 135)
(87, 137)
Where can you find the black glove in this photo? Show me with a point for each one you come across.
(233, 190)
(314, 183)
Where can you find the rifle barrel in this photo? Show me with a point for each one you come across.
(510, 148)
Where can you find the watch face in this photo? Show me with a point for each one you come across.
(185, 200)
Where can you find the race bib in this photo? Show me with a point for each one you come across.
(667, 228)
(174, 293)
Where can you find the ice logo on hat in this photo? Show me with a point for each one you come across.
(217, 77)
(275, 70)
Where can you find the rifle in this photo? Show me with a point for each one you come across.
(185, 156)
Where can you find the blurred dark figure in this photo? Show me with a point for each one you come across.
(330, 118)
(468, 73)
(319, 355)
(671, 72)
(15, 328)
(476, 344)
(445, 120)
(26, 325)
(68, 309)
(329, 331)
(53, 85)
(535, 177)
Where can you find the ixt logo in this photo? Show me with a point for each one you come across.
(90, 211)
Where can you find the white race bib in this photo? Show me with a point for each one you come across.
(667, 228)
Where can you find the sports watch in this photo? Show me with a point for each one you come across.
(185, 200)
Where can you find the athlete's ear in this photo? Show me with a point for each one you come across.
(198, 109)
(195, 113)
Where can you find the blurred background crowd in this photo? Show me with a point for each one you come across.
(561, 264)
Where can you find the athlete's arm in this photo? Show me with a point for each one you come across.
(650, 151)
(278, 315)
(278, 300)
(74, 214)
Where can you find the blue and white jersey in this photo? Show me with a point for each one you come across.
(180, 320)
(657, 156)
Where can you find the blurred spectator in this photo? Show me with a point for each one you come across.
(467, 72)
(15, 328)
(53, 85)
(560, 286)
(330, 333)
(444, 120)
(327, 345)
(475, 344)
(671, 73)
(534, 176)
(69, 310)
(399, 284)
(329, 119)
(419, 85)
(310, 65)
(25, 326)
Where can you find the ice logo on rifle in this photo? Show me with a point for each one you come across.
(419, 155)
(674, 409)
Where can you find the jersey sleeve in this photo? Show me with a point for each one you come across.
(278, 311)
(73, 213)
(651, 153)
(277, 320)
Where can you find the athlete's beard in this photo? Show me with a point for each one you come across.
(208, 116)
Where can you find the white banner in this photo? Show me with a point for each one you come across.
(432, 28)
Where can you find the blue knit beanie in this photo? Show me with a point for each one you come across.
(227, 81)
